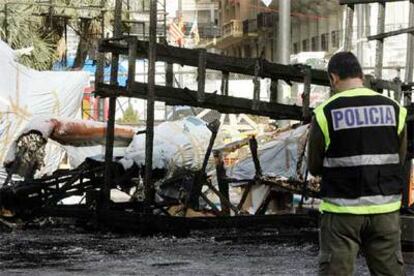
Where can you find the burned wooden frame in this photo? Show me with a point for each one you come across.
(221, 101)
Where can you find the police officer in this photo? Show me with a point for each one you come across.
(357, 144)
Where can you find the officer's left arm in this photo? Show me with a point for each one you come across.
(403, 145)
(316, 149)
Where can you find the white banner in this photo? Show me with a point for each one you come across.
(26, 93)
(267, 2)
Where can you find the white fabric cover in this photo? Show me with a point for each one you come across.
(278, 158)
(177, 144)
(26, 93)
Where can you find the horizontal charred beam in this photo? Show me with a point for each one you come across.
(351, 2)
(246, 66)
(221, 103)
(392, 33)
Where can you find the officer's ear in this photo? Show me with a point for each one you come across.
(334, 79)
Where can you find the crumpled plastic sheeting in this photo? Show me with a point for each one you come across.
(278, 158)
(26, 93)
(80, 133)
(178, 144)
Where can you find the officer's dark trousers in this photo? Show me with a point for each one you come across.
(377, 236)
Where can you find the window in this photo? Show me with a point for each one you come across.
(247, 51)
(325, 42)
(335, 39)
(305, 45)
(295, 47)
(315, 43)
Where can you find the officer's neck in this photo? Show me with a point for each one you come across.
(348, 84)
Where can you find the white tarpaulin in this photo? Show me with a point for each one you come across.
(177, 144)
(26, 93)
(278, 158)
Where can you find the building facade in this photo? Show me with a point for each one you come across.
(250, 29)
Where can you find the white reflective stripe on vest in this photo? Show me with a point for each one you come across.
(364, 200)
(361, 160)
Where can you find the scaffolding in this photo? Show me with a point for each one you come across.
(148, 216)
(255, 67)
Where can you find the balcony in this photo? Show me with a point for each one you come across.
(209, 31)
(233, 28)
(250, 27)
(265, 20)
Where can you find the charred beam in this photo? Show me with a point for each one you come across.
(221, 103)
(225, 83)
(244, 66)
(149, 136)
(389, 34)
(352, 2)
(201, 75)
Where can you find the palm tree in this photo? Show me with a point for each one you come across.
(29, 24)
(22, 30)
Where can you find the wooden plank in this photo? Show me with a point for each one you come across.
(169, 75)
(349, 27)
(132, 58)
(256, 85)
(379, 85)
(225, 83)
(244, 66)
(99, 73)
(253, 149)
(221, 181)
(149, 135)
(273, 91)
(398, 91)
(392, 33)
(351, 2)
(246, 192)
(201, 76)
(110, 129)
(221, 103)
(307, 115)
(222, 198)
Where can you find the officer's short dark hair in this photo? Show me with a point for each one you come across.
(345, 65)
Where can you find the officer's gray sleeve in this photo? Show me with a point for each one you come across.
(316, 149)
(403, 145)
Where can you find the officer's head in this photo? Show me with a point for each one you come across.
(344, 68)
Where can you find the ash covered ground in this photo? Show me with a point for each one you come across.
(63, 251)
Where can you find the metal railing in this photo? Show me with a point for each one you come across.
(232, 28)
(250, 26)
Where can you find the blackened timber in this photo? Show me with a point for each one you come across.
(110, 129)
(306, 94)
(350, 10)
(221, 181)
(244, 66)
(256, 85)
(245, 194)
(379, 85)
(201, 75)
(221, 103)
(149, 136)
(132, 43)
(389, 34)
(351, 2)
(273, 91)
(225, 83)
(222, 198)
(379, 50)
(169, 75)
(99, 73)
(150, 224)
(253, 149)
